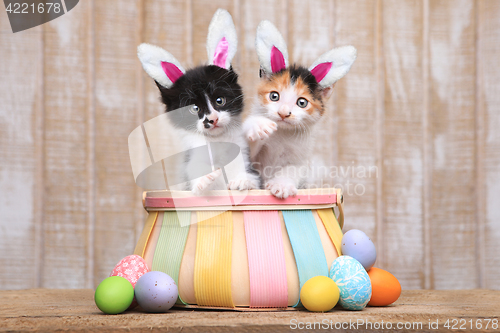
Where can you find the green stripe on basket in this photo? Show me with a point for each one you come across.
(171, 243)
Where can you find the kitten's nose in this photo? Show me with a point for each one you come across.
(211, 119)
(284, 112)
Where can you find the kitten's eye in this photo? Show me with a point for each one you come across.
(194, 109)
(220, 101)
(274, 96)
(302, 102)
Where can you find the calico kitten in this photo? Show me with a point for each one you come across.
(205, 105)
(291, 101)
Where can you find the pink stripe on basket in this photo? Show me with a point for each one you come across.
(266, 260)
(211, 201)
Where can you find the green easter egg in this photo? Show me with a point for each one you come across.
(114, 295)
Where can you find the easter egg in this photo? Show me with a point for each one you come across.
(319, 294)
(356, 244)
(114, 295)
(385, 287)
(131, 268)
(354, 283)
(156, 292)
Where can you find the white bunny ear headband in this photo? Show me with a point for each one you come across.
(222, 43)
(273, 56)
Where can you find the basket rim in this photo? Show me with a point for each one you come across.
(165, 200)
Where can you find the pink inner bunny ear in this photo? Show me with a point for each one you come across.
(321, 70)
(277, 60)
(173, 72)
(221, 52)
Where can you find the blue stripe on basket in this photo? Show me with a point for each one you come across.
(306, 245)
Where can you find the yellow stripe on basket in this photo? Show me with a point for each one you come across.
(332, 227)
(212, 266)
(140, 248)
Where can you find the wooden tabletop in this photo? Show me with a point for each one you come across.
(74, 310)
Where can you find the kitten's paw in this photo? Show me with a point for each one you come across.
(242, 184)
(261, 129)
(201, 184)
(281, 189)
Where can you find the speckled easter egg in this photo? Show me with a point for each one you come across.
(131, 268)
(356, 244)
(353, 282)
(156, 292)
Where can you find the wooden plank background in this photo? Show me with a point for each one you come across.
(420, 109)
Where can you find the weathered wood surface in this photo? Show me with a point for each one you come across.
(65, 171)
(419, 109)
(488, 143)
(403, 131)
(21, 143)
(452, 167)
(74, 310)
(117, 110)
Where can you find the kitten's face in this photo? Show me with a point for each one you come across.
(215, 96)
(292, 98)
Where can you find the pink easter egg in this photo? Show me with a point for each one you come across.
(131, 268)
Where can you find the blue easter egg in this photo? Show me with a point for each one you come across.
(353, 282)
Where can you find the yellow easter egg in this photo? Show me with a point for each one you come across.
(319, 294)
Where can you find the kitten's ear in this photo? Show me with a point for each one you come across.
(327, 92)
(165, 96)
(160, 64)
(222, 40)
(333, 65)
(271, 48)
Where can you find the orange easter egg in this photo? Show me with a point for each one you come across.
(385, 287)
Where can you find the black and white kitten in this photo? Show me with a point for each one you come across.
(206, 103)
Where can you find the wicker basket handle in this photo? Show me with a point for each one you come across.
(340, 205)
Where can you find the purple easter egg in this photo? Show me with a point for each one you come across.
(358, 245)
(156, 292)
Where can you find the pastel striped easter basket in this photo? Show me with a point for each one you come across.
(246, 252)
